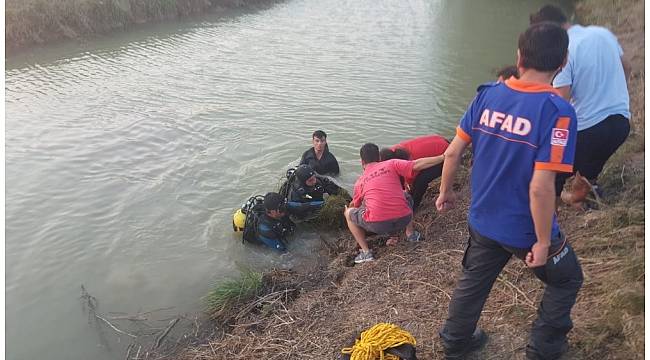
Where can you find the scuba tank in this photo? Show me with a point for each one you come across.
(254, 209)
(238, 221)
(240, 216)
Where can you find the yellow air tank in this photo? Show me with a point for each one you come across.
(238, 221)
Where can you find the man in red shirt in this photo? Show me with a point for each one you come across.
(413, 149)
(379, 204)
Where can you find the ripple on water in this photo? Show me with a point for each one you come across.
(125, 159)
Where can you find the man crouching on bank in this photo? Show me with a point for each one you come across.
(379, 204)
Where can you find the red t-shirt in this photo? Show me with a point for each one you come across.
(380, 190)
(421, 147)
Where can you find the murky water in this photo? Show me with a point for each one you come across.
(126, 156)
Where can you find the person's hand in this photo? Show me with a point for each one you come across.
(537, 255)
(446, 201)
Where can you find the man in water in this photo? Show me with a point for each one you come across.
(306, 191)
(319, 156)
(273, 226)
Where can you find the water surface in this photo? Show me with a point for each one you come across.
(127, 155)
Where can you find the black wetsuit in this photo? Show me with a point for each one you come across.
(327, 165)
(273, 232)
(304, 200)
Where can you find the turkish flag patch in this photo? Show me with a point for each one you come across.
(559, 137)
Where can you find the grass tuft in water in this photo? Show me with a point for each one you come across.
(331, 214)
(232, 292)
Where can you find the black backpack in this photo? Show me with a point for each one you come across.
(254, 209)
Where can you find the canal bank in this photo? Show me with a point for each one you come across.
(321, 311)
(38, 22)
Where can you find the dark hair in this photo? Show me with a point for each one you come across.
(386, 154)
(543, 47)
(274, 201)
(507, 72)
(398, 153)
(319, 134)
(369, 153)
(548, 13)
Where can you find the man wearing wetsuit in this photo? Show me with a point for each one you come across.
(319, 156)
(274, 225)
(306, 191)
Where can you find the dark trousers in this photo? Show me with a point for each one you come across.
(594, 147)
(421, 183)
(483, 261)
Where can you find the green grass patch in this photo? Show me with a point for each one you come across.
(331, 214)
(229, 293)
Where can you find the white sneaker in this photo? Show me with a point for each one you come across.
(364, 256)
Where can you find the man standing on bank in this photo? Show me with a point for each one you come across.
(594, 80)
(319, 156)
(522, 133)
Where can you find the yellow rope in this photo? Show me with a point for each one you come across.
(375, 340)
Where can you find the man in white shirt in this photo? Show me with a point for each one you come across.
(595, 81)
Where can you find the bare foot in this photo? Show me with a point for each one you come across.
(392, 241)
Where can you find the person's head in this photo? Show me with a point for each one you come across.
(306, 175)
(396, 153)
(369, 153)
(319, 140)
(542, 47)
(549, 13)
(506, 73)
(275, 205)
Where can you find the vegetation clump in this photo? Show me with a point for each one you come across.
(228, 294)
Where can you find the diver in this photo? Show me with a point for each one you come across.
(266, 221)
(319, 156)
(305, 191)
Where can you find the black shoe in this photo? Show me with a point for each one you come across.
(532, 354)
(478, 340)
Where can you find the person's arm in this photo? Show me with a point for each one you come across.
(564, 79)
(329, 186)
(288, 224)
(452, 157)
(357, 196)
(542, 207)
(427, 162)
(565, 92)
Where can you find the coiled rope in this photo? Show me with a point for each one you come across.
(376, 340)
